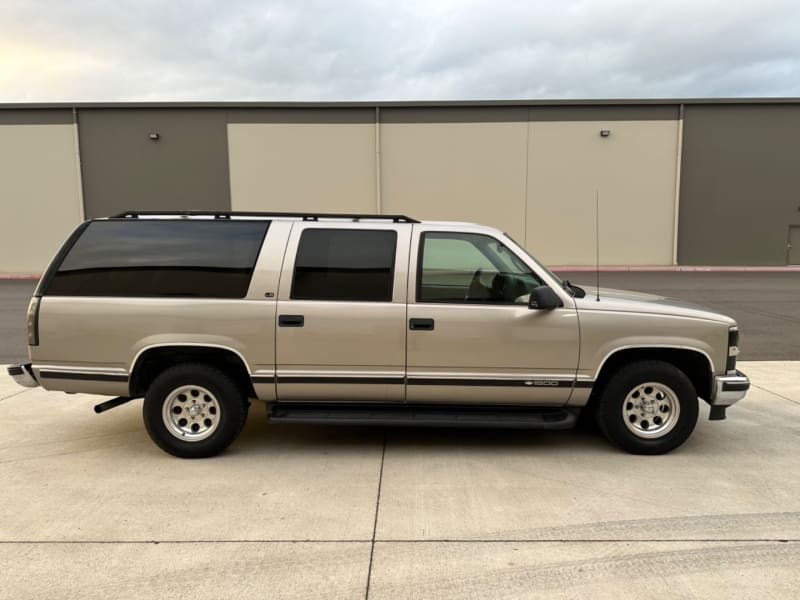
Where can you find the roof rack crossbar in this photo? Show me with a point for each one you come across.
(135, 214)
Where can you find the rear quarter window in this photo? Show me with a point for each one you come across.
(161, 258)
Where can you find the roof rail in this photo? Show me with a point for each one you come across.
(135, 214)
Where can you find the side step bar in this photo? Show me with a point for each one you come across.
(415, 415)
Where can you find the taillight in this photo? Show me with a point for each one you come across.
(33, 321)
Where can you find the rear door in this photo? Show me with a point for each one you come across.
(341, 318)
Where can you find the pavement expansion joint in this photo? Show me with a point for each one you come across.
(412, 541)
(375, 524)
(15, 394)
(763, 389)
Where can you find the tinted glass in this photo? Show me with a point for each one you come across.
(192, 258)
(471, 268)
(344, 264)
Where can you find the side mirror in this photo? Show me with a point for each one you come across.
(544, 298)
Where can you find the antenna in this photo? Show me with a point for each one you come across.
(597, 239)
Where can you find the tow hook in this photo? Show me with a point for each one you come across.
(113, 403)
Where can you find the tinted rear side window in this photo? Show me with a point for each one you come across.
(344, 264)
(191, 258)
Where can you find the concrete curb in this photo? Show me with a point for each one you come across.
(19, 276)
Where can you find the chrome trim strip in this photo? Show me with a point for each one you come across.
(342, 380)
(75, 375)
(332, 373)
(82, 369)
(484, 375)
(193, 345)
(649, 346)
(485, 382)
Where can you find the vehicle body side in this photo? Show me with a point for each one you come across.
(99, 344)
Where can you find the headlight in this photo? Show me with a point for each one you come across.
(733, 349)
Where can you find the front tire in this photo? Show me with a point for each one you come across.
(648, 407)
(194, 411)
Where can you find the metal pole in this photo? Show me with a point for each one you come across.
(678, 158)
(378, 199)
(78, 168)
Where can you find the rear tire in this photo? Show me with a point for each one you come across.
(648, 407)
(194, 410)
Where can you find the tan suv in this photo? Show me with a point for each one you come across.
(362, 319)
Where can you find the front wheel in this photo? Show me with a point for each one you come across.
(194, 411)
(648, 407)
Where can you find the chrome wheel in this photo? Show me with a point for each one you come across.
(651, 410)
(191, 413)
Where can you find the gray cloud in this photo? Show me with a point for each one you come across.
(368, 50)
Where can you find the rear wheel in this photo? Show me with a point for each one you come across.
(648, 407)
(194, 410)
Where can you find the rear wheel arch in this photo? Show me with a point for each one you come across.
(154, 360)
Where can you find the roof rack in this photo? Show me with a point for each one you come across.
(135, 214)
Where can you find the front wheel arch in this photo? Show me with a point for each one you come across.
(696, 365)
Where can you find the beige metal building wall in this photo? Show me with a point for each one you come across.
(634, 172)
(39, 188)
(465, 164)
(303, 160)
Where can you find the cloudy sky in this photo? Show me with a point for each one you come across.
(93, 50)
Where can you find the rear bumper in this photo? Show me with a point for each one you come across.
(23, 375)
(729, 389)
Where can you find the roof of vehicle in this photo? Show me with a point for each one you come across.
(303, 216)
(227, 215)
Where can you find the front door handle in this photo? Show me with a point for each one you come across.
(420, 324)
(291, 320)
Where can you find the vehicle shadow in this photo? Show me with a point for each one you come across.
(261, 436)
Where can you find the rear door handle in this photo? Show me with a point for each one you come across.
(420, 324)
(291, 320)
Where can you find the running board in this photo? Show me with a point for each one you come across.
(415, 415)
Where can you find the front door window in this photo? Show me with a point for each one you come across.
(462, 268)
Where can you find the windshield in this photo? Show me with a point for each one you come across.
(538, 264)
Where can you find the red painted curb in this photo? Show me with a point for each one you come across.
(687, 269)
(19, 276)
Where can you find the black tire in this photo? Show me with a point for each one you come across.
(669, 407)
(225, 411)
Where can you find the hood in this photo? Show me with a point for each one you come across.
(639, 302)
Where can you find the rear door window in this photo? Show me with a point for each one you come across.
(161, 258)
(345, 264)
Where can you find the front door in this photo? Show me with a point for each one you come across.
(341, 313)
(472, 337)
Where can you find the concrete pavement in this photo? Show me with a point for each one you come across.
(90, 508)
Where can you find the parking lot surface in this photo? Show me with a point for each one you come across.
(90, 508)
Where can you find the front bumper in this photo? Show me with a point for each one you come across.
(23, 375)
(729, 389)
